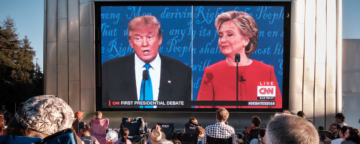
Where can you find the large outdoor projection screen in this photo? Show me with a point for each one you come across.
(180, 56)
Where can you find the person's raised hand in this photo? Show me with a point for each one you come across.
(327, 139)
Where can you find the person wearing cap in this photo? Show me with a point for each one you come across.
(111, 137)
(340, 119)
(38, 118)
(79, 125)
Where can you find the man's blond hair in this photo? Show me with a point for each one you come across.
(222, 114)
(147, 20)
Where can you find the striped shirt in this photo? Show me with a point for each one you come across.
(220, 130)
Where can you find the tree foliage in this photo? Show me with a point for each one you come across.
(20, 79)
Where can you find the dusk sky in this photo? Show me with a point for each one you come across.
(29, 20)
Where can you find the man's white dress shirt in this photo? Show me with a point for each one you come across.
(154, 73)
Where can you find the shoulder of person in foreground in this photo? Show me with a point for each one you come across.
(337, 141)
(254, 141)
(230, 127)
(348, 142)
(8, 139)
(210, 126)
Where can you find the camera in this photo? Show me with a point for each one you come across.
(322, 138)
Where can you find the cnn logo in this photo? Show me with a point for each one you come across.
(115, 103)
(266, 91)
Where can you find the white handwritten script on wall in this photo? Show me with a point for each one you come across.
(189, 34)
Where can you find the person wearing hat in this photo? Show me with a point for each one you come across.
(340, 119)
(156, 136)
(38, 118)
(111, 137)
(79, 125)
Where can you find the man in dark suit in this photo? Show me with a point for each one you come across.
(122, 78)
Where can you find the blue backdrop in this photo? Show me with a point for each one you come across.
(189, 34)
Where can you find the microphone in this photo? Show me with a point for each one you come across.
(237, 60)
(145, 75)
(237, 57)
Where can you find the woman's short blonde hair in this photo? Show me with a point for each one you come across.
(245, 23)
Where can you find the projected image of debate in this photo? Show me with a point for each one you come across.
(199, 57)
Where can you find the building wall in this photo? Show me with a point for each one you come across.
(351, 66)
(351, 84)
(315, 63)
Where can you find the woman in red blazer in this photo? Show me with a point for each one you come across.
(238, 33)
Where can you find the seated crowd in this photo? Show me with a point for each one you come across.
(48, 119)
